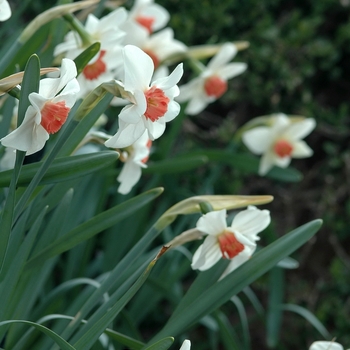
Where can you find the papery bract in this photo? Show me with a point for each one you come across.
(212, 82)
(48, 111)
(279, 142)
(236, 242)
(152, 105)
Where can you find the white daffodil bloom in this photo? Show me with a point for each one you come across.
(8, 159)
(5, 10)
(135, 157)
(186, 345)
(149, 15)
(48, 111)
(236, 242)
(325, 345)
(279, 142)
(107, 63)
(212, 82)
(152, 105)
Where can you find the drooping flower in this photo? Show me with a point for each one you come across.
(236, 242)
(48, 111)
(186, 345)
(279, 142)
(135, 157)
(212, 82)
(151, 105)
(5, 10)
(325, 345)
(149, 15)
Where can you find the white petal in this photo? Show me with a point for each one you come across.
(171, 80)
(213, 223)
(299, 130)
(132, 113)
(237, 261)
(251, 221)
(5, 11)
(172, 112)
(282, 162)
(258, 140)
(197, 104)
(158, 13)
(186, 345)
(138, 68)
(325, 345)
(155, 129)
(301, 150)
(126, 135)
(225, 54)
(128, 177)
(190, 90)
(267, 161)
(207, 254)
(232, 70)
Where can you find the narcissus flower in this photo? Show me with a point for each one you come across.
(325, 345)
(48, 111)
(152, 105)
(149, 15)
(236, 242)
(212, 82)
(5, 10)
(279, 142)
(135, 157)
(186, 345)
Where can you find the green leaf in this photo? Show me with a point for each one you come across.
(59, 341)
(310, 317)
(227, 332)
(175, 165)
(93, 331)
(84, 58)
(63, 168)
(94, 226)
(163, 344)
(249, 164)
(233, 283)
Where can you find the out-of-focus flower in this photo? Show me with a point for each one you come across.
(279, 142)
(48, 111)
(212, 82)
(158, 46)
(5, 10)
(186, 345)
(107, 63)
(325, 345)
(135, 157)
(152, 105)
(8, 159)
(236, 242)
(149, 15)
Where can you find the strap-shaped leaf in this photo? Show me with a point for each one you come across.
(163, 344)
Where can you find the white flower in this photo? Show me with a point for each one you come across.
(186, 345)
(325, 345)
(8, 159)
(136, 158)
(152, 106)
(48, 111)
(149, 15)
(236, 242)
(5, 10)
(212, 82)
(279, 142)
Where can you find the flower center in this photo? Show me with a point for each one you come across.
(283, 148)
(94, 70)
(157, 103)
(229, 245)
(146, 22)
(148, 145)
(53, 116)
(215, 86)
(154, 57)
